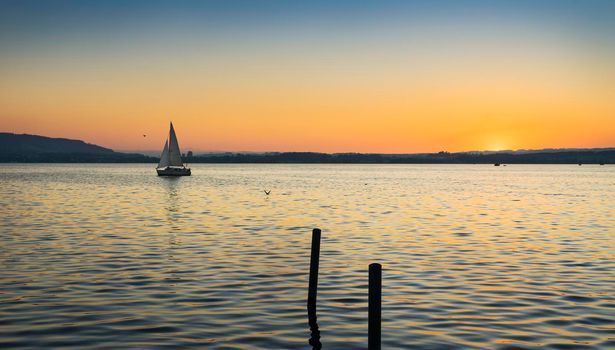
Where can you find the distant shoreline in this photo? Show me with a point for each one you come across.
(561, 157)
(40, 149)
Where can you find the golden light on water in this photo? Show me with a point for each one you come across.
(478, 255)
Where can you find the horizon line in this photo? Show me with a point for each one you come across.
(186, 150)
(382, 153)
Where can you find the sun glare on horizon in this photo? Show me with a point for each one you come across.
(497, 142)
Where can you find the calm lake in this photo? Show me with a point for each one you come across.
(474, 256)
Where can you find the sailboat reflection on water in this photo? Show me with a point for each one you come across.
(170, 160)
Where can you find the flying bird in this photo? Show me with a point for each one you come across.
(267, 192)
(144, 135)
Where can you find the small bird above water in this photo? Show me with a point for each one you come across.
(267, 192)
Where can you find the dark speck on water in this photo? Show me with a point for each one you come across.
(474, 257)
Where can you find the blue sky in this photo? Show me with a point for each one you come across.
(502, 69)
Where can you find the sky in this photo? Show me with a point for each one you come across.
(325, 76)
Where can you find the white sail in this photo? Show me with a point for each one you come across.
(175, 158)
(164, 157)
(170, 160)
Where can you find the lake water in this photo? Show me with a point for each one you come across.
(474, 256)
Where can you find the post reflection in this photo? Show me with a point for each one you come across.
(314, 332)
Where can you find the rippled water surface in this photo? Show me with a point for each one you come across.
(474, 256)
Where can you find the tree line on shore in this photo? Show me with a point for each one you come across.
(39, 149)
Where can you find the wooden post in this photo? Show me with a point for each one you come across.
(314, 261)
(374, 308)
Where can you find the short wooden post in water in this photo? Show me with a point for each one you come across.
(374, 308)
(314, 260)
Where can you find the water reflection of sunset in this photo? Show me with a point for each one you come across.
(474, 256)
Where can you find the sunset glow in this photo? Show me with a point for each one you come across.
(394, 77)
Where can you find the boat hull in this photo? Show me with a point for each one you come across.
(172, 171)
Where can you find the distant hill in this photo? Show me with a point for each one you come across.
(34, 148)
(24, 143)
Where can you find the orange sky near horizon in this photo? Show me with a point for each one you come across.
(404, 89)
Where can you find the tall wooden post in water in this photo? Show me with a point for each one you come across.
(314, 261)
(374, 307)
(312, 291)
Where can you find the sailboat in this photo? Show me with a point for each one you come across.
(171, 160)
